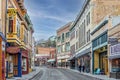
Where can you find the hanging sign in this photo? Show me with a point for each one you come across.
(12, 11)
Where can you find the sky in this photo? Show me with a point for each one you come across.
(49, 15)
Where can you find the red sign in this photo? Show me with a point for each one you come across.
(13, 50)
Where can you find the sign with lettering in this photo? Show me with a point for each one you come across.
(112, 41)
(12, 11)
(115, 50)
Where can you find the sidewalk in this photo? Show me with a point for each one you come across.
(101, 77)
(27, 76)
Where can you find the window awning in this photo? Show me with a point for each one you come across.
(83, 52)
(51, 60)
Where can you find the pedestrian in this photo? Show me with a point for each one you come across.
(80, 67)
(83, 68)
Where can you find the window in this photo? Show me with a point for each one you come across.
(58, 39)
(72, 49)
(63, 37)
(88, 36)
(10, 29)
(100, 40)
(59, 49)
(67, 35)
(116, 65)
(72, 35)
(18, 27)
(67, 48)
(25, 37)
(88, 18)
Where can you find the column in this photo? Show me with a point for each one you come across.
(19, 65)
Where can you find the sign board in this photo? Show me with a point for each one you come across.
(112, 41)
(12, 11)
(115, 50)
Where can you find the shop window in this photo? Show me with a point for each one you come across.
(24, 64)
(10, 30)
(10, 67)
(116, 65)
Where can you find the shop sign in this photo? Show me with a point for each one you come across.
(115, 50)
(13, 50)
(112, 41)
(12, 11)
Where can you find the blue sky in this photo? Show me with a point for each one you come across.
(49, 15)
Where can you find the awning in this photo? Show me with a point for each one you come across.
(71, 58)
(13, 50)
(83, 52)
(51, 60)
(114, 57)
(42, 57)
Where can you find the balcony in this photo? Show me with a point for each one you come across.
(13, 38)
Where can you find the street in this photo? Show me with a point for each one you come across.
(61, 74)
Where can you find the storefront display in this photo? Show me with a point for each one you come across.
(24, 64)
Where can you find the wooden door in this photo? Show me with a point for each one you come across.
(15, 65)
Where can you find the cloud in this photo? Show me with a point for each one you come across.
(49, 15)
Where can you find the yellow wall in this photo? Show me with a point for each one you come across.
(96, 60)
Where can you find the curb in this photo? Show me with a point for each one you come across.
(36, 75)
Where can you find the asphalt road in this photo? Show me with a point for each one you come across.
(61, 74)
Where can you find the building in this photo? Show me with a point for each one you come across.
(33, 52)
(114, 48)
(72, 47)
(63, 45)
(2, 38)
(52, 59)
(19, 39)
(28, 39)
(42, 56)
(91, 34)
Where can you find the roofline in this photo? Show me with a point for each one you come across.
(64, 26)
(80, 13)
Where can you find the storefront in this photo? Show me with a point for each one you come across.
(51, 62)
(25, 64)
(100, 53)
(13, 62)
(84, 60)
(2, 56)
(72, 62)
(114, 59)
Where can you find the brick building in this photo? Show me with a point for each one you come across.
(63, 45)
